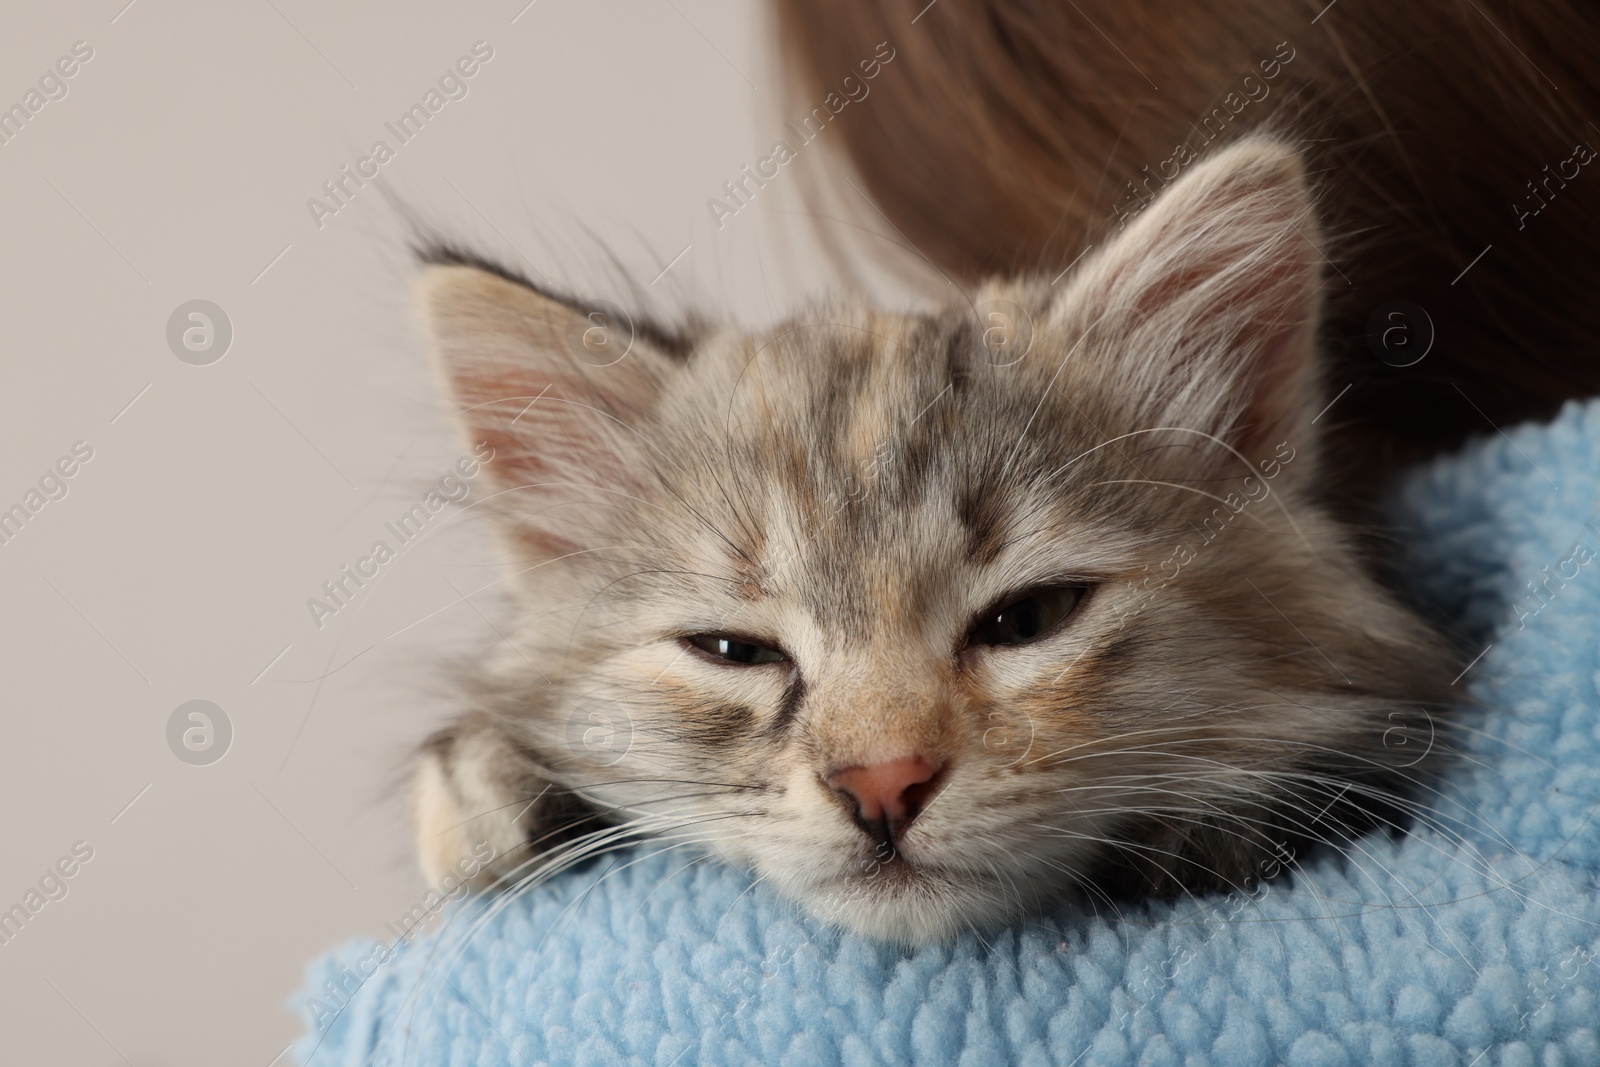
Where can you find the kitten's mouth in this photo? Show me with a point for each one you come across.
(896, 871)
(911, 903)
(895, 875)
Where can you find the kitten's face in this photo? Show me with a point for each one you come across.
(925, 631)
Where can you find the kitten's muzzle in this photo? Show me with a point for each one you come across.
(884, 798)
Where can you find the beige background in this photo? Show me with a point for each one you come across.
(179, 563)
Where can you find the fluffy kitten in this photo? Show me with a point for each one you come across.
(929, 620)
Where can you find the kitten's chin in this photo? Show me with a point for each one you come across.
(907, 904)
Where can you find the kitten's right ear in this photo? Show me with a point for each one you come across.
(554, 387)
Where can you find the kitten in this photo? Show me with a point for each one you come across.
(931, 620)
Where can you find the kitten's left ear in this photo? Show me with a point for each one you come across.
(1210, 300)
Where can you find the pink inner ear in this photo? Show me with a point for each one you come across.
(1281, 378)
(530, 448)
(1265, 311)
(565, 453)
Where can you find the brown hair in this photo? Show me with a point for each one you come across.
(1444, 136)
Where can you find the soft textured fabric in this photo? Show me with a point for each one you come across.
(1474, 945)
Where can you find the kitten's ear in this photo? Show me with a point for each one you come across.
(553, 387)
(1210, 298)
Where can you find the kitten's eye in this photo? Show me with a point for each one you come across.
(734, 650)
(1027, 617)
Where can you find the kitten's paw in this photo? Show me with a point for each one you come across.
(469, 822)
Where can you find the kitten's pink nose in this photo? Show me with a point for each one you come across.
(885, 796)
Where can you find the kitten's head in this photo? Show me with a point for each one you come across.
(926, 619)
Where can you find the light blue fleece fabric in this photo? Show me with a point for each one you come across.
(1476, 946)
